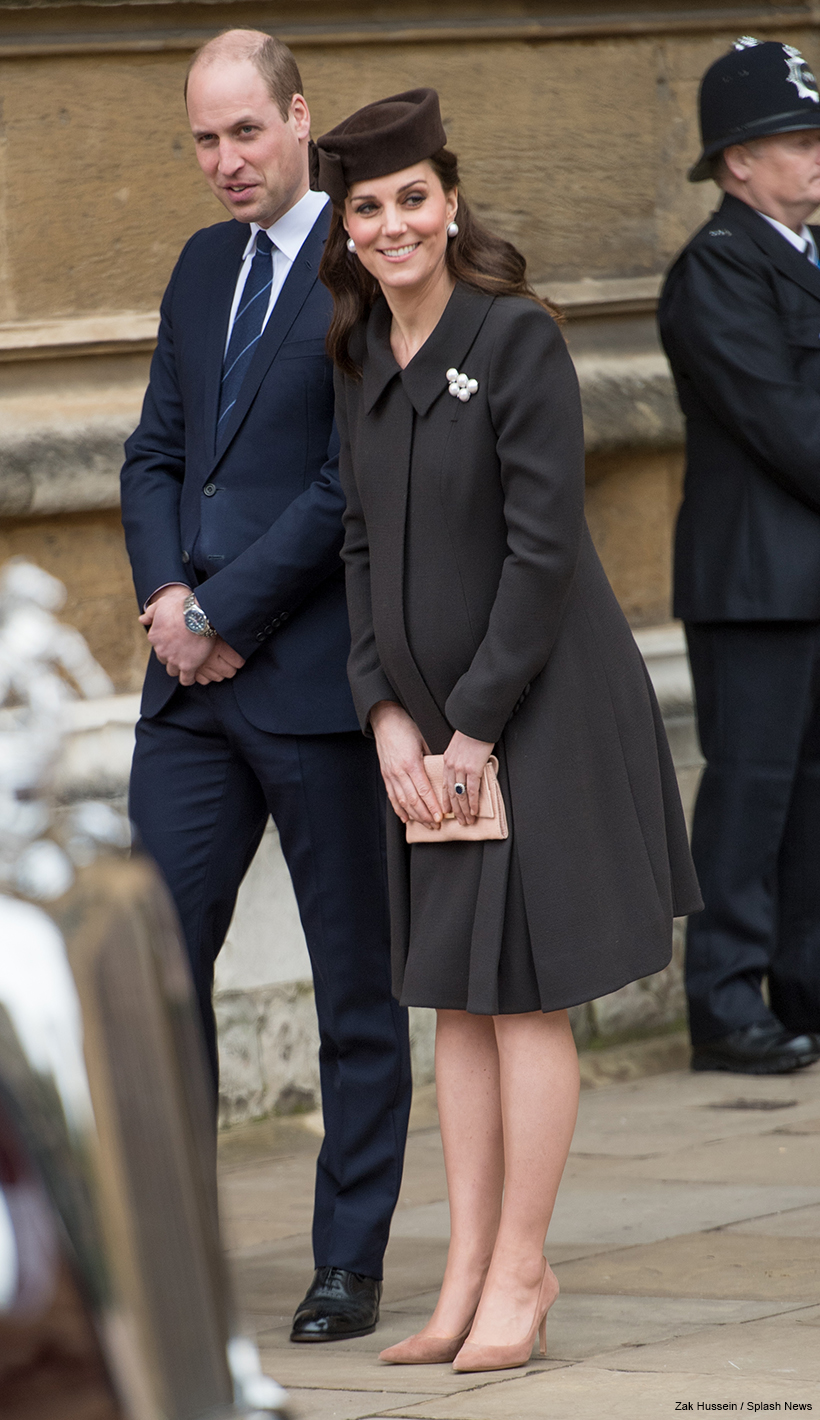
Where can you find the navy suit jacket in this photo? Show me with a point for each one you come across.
(257, 530)
(740, 322)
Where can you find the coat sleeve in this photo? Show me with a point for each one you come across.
(536, 412)
(724, 332)
(154, 469)
(368, 682)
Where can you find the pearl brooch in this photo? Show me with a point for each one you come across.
(460, 386)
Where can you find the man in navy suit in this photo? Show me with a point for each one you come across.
(232, 513)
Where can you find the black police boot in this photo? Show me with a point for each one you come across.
(765, 1048)
(338, 1305)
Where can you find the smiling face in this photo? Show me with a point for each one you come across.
(399, 224)
(779, 175)
(254, 161)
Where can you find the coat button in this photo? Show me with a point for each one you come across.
(186, 558)
(260, 636)
(209, 490)
(283, 616)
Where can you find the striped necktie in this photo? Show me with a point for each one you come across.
(247, 330)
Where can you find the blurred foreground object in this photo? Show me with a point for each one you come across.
(43, 666)
(114, 1303)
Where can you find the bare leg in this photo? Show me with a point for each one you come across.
(469, 1105)
(539, 1085)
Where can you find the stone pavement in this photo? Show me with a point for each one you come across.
(686, 1239)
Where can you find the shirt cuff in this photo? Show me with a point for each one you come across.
(157, 591)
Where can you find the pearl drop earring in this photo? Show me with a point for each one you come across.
(452, 230)
(351, 245)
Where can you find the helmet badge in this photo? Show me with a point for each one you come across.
(800, 75)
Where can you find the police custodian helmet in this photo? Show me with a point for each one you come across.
(755, 90)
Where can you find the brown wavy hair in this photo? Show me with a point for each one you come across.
(475, 256)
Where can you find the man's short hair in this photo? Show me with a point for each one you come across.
(272, 58)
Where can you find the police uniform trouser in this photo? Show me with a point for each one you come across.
(756, 832)
(203, 783)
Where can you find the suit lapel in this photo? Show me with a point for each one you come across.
(300, 281)
(223, 285)
(780, 252)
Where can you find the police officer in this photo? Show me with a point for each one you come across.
(740, 322)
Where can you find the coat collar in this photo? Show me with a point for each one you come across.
(781, 253)
(424, 379)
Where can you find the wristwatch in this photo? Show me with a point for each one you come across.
(195, 618)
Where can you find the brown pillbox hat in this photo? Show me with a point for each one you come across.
(378, 139)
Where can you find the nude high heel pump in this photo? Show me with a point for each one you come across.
(421, 1350)
(502, 1358)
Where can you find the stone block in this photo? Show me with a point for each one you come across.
(268, 1051)
(646, 1005)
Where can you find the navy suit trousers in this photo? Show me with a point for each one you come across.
(204, 781)
(756, 831)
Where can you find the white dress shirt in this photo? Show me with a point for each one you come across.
(802, 241)
(288, 235)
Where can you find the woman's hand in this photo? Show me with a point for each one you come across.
(401, 747)
(464, 762)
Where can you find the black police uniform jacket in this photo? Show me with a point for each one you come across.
(739, 318)
(478, 602)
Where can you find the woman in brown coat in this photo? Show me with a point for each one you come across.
(482, 623)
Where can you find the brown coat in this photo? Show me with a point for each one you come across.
(478, 602)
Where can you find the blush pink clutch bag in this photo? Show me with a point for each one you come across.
(492, 817)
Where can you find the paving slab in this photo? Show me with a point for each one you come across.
(771, 1347)
(581, 1326)
(793, 1223)
(716, 1264)
(764, 1158)
(649, 1212)
(651, 1117)
(588, 1393)
(343, 1404)
(266, 1201)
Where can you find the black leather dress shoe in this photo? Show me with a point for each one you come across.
(765, 1048)
(338, 1305)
